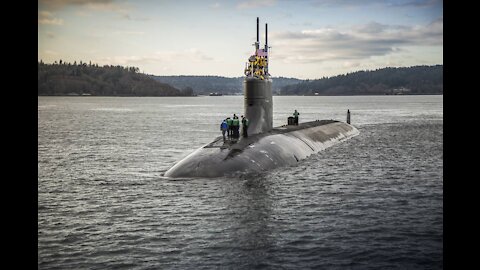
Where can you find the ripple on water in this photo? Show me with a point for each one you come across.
(372, 202)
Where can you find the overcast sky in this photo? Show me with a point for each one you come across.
(309, 39)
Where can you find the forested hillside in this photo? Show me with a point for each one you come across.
(385, 81)
(203, 85)
(90, 79)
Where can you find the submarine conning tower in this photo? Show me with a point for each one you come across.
(257, 89)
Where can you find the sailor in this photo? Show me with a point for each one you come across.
(244, 126)
(295, 115)
(224, 128)
(236, 126)
(230, 127)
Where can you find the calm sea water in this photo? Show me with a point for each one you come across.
(373, 202)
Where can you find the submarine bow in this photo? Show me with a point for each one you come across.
(281, 146)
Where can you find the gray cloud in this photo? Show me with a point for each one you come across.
(189, 55)
(96, 5)
(372, 27)
(392, 3)
(372, 39)
(45, 17)
(58, 4)
(255, 4)
(50, 53)
(418, 3)
(130, 33)
(215, 5)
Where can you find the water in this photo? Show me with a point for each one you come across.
(373, 202)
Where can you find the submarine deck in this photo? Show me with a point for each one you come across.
(242, 142)
(283, 145)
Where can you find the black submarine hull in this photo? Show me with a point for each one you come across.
(281, 146)
(266, 148)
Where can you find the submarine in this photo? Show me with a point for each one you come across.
(266, 147)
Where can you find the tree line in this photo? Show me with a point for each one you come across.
(386, 81)
(203, 85)
(65, 78)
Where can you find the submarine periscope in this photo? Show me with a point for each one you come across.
(266, 147)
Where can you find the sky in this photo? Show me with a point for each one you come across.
(309, 39)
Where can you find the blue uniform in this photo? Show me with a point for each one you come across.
(223, 128)
(223, 125)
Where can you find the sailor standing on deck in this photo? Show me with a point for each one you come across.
(244, 126)
(223, 128)
(230, 127)
(295, 115)
(236, 126)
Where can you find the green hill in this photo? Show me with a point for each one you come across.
(386, 81)
(82, 79)
(87, 79)
(224, 85)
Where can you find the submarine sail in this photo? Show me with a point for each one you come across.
(257, 89)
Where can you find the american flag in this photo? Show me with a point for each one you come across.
(261, 52)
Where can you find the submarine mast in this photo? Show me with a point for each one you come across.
(257, 89)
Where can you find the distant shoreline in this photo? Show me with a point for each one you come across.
(66, 79)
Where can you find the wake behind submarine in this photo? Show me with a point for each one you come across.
(266, 147)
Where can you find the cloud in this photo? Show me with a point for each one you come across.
(93, 5)
(122, 10)
(129, 33)
(45, 17)
(215, 5)
(361, 42)
(54, 21)
(347, 3)
(51, 53)
(372, 27)
(350, 64)
(44, 13)
(255, 4)
(435, 27)
(189, 55)
(418, 3)
(59, 4)
(393, 3)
